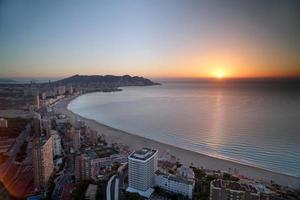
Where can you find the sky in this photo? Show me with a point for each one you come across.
(165, 38)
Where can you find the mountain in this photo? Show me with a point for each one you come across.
(106, 81)
(6, 80)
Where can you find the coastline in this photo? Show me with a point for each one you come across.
(134, 142)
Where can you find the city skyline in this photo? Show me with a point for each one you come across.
(150, 38)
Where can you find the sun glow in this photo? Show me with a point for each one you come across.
(219, 74)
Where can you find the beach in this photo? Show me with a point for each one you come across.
(186, 157)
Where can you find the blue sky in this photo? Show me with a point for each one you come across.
(149, 38)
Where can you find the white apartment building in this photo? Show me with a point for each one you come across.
(142, 165)
(175, 184)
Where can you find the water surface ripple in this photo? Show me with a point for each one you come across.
(255, 125)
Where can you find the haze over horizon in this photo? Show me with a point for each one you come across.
(150, 38)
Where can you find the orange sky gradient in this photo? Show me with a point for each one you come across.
(154, 39)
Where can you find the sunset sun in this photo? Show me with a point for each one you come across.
(219, 74)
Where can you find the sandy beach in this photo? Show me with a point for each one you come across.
(186, 157)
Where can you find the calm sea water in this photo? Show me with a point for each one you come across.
(252, 123)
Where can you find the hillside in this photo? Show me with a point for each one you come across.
(107, 81)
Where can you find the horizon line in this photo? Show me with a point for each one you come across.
(154, 77)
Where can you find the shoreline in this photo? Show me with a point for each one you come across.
(113, 135)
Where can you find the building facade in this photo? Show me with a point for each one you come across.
(89, 167)
(92, 136)
(57, 150)
(175, 184)
(99, 163)
(75, 134)
(3, 123)
(229, 190)
(70, 89)
(42, 160)
(37, 126)
(82, 167)
(61, 90)
(36, 101)
(142, 165)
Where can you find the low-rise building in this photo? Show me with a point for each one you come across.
(186, 172)
(175, 184)
(230, 190)
(99, 163)
(89, 164)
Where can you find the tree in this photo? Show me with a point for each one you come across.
(226, 176)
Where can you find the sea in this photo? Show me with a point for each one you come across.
(254, 122)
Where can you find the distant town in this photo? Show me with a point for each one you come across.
(45, 154)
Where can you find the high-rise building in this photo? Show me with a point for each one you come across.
(142, 165)
(3, 122)
(42, 161)
(44, 95)
(92, 136)
(37, 125)
(70, 89)
(61, 90)
(57, 151)
(82, 167)
(46, 125)
(223, 190)
(175, 184)
(75, 134)
(36, 101)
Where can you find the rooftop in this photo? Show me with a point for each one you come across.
(234, 186)
(146, 193)
(175, 178)
(91, 153)
(99, 152)
(143, 154)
